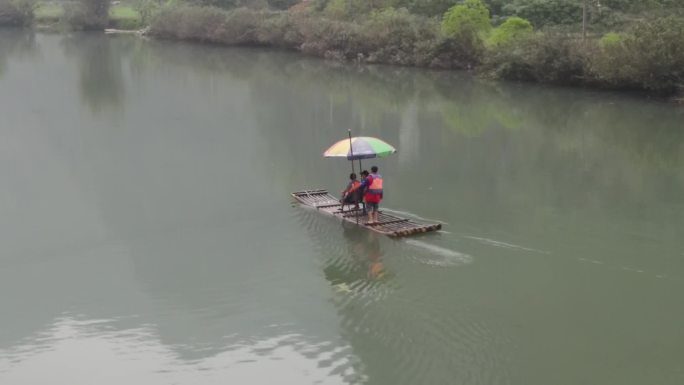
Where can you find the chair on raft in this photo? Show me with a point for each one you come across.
(355, 199)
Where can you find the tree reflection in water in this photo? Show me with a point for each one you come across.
(100, 63)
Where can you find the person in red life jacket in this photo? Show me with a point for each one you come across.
(373, 193)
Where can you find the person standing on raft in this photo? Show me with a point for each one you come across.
(374, 194)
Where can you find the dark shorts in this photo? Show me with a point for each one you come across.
(372, 206)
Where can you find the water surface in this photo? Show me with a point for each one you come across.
(147, 235)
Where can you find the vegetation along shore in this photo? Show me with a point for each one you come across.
(613, 44)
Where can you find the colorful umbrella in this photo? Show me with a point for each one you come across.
(359, 147)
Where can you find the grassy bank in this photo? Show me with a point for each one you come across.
(70, 15)
(48, 12)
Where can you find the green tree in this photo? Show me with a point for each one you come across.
(468, 19)
(512, 29)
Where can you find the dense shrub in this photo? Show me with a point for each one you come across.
(453, 53)
(282, 4)
(542, 57)
(146, 9)
(392, 36)
(214, 3)
(279, 30)
(214, 25)
(192, 23)
(650, 56)
(398, 37)
(247, 26)
(332, 39)
(545, 12)
(429, 7)
(337, 9)
(16, 12)
(611, 40)
(657, 51)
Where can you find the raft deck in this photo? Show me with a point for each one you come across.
(387, 224)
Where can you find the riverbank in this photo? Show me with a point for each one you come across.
(649, 56)
(645, 55)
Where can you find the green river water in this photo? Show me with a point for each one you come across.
(147, 234)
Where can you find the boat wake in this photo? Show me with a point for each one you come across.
(437, 255)
(413, 216)
(504, 245)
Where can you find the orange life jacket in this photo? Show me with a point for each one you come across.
(376, 185)
(354, 188)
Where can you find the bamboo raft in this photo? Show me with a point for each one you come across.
(387, 224)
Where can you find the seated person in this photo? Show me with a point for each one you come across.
(351, 194)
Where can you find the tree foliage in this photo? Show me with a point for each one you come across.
(87, 14)
(429, 7)
(16, 12)
(337, 9)
(513, 28)
(649, 56)
(611, 40)
(281, 4)
(469, 18)
(645, 52)
(545, 12)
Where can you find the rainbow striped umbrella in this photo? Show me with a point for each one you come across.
(359, 147)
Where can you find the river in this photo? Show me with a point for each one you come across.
(147, 234)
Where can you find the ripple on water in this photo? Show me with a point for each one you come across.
(420, 342)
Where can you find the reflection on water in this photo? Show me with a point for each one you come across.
(100, 67)
(75, 351)
(15, 42)
(147, 231)
(355, 262)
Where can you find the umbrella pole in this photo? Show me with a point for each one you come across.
(351, 150)
(357, 212)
